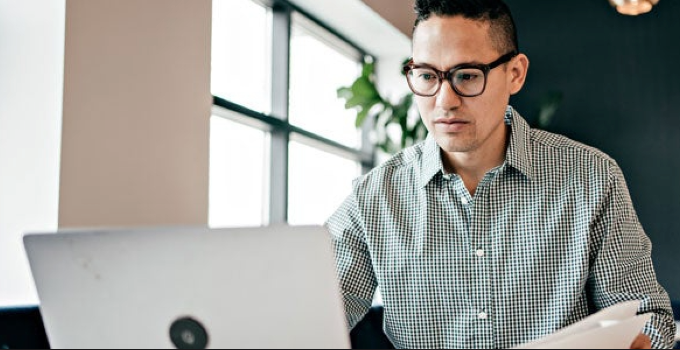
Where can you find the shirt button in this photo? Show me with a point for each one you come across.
(482, 315)
(464, 200)
(480, 252)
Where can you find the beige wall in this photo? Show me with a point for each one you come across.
(136, 113)
(399, 13)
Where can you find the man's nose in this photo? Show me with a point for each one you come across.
(447, 98)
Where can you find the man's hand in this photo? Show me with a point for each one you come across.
(641, 342)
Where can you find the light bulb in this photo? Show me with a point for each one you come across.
(633, 7)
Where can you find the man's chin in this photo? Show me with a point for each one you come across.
(450, 146)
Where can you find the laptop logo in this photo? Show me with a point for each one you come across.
(187, 333)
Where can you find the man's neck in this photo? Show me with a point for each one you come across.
(472, 166)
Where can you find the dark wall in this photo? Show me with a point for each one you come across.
(620, 78)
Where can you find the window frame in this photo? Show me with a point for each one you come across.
(276, 124)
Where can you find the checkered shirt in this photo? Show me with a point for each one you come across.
(549, 237)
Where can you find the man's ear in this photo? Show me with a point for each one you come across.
(517, 68)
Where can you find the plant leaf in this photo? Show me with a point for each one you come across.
(344, 92)
(548, 105)
(368, 69)
(364, 97)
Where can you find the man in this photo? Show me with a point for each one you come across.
(489, 234)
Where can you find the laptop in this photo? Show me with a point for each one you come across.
(189, 288)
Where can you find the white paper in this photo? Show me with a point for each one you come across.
(612, 328)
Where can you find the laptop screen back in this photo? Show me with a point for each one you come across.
(272, 287)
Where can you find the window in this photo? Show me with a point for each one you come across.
(318, 66)
(236, 178)
(31, 65)
(283, 147)
(318, 183)
(240, 53)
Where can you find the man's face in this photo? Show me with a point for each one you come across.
(462, 124)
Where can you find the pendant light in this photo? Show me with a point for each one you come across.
(633, 7)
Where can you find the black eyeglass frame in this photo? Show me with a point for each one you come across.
(447, 75)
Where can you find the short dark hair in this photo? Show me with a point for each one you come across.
(502, 30)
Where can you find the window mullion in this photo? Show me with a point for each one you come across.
(367, 147)
(278, 179)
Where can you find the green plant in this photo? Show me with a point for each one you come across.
(386, 117)
(547, 106)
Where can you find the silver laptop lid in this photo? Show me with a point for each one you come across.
(272, 287)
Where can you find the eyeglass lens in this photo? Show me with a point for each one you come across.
(466, 81)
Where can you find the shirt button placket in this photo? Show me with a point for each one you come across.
(479, 237)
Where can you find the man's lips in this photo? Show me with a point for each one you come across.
(450, 121)
(450, 125)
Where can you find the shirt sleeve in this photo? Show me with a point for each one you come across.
(622, 268)
(355, 271)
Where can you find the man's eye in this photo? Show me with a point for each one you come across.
(426, 76)
(467, 77)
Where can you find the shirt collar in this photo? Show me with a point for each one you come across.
(431, 162)
(518, 153)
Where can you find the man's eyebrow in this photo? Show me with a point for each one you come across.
(462, 64)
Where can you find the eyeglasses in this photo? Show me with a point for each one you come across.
(467, 80)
